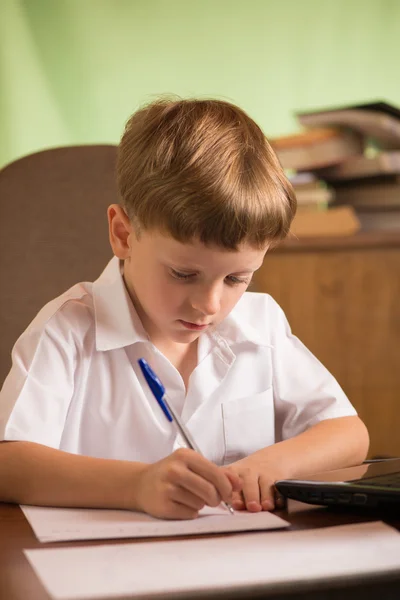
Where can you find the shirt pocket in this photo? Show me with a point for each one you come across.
(248, 425)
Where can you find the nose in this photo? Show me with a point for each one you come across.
(207, 300)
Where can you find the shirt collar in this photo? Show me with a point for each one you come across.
(116, 320)
(238, 327)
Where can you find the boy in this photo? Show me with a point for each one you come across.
(203, 197)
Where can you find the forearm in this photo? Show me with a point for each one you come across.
(331, 444)
(35, 474)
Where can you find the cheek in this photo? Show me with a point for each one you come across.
(169, 297)
(231, 299)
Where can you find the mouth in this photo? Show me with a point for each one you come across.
(194, 326)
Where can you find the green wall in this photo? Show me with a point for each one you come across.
(72, 71)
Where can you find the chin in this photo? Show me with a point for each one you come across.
(185, 336)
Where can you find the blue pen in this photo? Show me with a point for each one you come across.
(159, 394)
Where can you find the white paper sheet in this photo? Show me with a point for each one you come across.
(63, 524)
(193, 565)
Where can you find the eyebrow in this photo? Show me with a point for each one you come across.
(196, 270)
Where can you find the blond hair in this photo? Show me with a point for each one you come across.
(203, 169)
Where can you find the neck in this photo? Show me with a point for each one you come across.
(182, 356)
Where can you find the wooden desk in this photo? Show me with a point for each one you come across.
(19, 582)
(341, 297)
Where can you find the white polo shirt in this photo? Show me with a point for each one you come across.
(75, 383)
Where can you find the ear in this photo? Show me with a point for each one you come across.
(120, 229)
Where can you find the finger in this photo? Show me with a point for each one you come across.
(211, 474)
(183, 496)
(234, 478)
(237, 501)
(179, 474)
(267, 495)
(251, 492)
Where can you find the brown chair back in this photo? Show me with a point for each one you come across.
(53, 230)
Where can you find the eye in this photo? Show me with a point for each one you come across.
(182, 276)
(232, 280)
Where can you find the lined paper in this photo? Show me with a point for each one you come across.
(63, 524)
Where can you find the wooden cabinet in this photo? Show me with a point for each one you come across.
(342, 299)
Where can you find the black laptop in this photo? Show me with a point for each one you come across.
(372, 484)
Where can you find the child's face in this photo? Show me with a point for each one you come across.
(181, 290)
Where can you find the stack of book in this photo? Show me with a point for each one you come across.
(305, 154)
(368, 181)
(313, 199)
(354, 155)
(372, 187)
(311, 192)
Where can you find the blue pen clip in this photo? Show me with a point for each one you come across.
(155, 385)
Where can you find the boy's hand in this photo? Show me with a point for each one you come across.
(180, 485)
(258, 491)
(330, 444)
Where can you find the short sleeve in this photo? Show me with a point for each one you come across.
(37, 392)
(305, 393)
